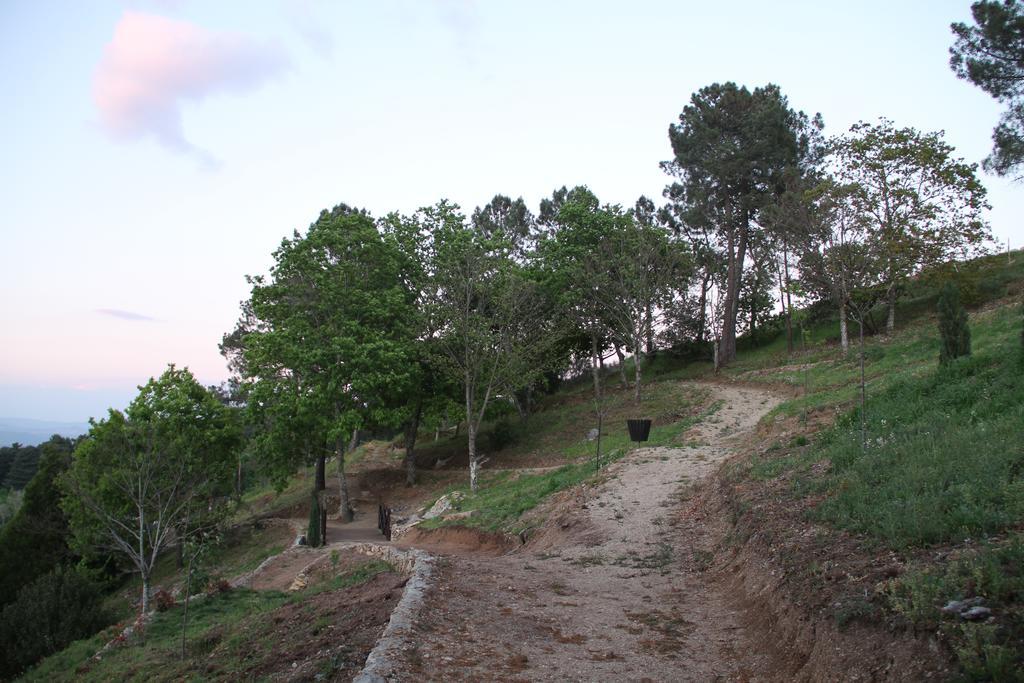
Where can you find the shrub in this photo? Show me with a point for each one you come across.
(163, 601)
(956, 335)
(502, 435)
(47, 615)
(218, 586)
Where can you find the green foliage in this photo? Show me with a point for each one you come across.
(991, 56)
(326, 340)
(57, 608)
(10, 501)
(502, 435)
(313, 529)
(154, 470)
(953, 329)
(18, 465)
(34, 541)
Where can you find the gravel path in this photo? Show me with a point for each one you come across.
(623, 596)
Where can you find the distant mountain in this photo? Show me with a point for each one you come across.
(34, 432)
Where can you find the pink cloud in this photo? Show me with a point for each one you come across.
(153, 64)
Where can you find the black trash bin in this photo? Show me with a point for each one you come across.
(639, 429)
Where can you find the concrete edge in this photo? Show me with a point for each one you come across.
(380, 663)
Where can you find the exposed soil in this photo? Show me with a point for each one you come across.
(616, 586)
(327, 638)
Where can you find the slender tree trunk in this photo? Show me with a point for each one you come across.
(474, 465)
(622, 366)
(188, 595)
(844, 337)
(145, 594)
(411, 429)
(345, 512)
(637, 361)
(238, 478)
(863, 392)
(649, 325)
(598, 402)
(788, 307)
(702, 321)
(179, 548)
(890, 323)
(318, 490)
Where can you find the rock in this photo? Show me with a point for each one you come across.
(455, 516)
(976, 613)
(960, 606)
(298, 584)
(445, 504)
(592, 434)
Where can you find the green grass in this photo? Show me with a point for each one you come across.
(227, 621)
(503, 497)
(943, 467)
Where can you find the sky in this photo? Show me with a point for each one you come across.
(155, 153)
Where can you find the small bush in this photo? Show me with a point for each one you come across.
(163, 601)
(47, 615)
(953, 328)
(502, 435)
(218, 586)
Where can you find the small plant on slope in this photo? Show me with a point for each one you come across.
(956, 335)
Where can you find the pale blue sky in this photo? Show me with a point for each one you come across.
(126, 240)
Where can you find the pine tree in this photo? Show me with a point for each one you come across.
(956, 335)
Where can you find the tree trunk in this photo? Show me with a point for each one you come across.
(622, 366)
(702, 321)
(863, 392)
(188, 594)
(890, 323)
(637, 361)
(320, 483)
(145, 594)
(474, 465)
(345, 512)
(727, 343)
(844, 337)
(787, 308)
(238, 478)
(411, 429)
(649, 325)
(179, 550)
(598, 405)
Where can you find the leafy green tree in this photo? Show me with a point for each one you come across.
(732, 147)
(35, 539)
(925, 205)
(22, 464)
(953, 328)
(137, 476)
(990, 55)
(485, 303)
(58, 608)
(328, 344)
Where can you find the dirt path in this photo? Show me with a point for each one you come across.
(623, 595)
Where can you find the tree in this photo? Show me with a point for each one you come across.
(328, 345)
(836, 259)
(990, 55)
(484, 305)
(56, 609)
(136, 477)
(34, 541)
(731, 149)
(953, 329)
(925, 205)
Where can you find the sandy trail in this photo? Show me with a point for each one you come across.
(623, 596)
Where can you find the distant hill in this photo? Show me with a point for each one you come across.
(34, 432)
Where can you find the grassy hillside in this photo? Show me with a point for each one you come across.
(931, 509)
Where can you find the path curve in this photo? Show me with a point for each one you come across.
(623, 596)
